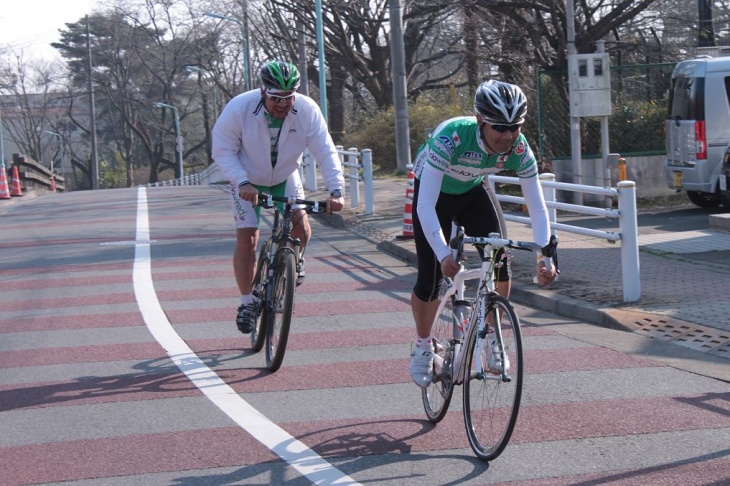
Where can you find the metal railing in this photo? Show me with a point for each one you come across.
(188, 180)
(628, 234)
(357, 167)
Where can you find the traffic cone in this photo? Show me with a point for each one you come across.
(4, 191)
(53, 183)
(408, 211)
(16, 189)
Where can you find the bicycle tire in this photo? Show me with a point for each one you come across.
(491, 405)
(258, 335)
(437, 395)
(282, 306)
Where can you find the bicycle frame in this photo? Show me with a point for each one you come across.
(477, 322)
(485, 275)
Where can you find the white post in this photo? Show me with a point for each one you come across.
(549, 195)
(340, 149)
(308, 172)
(367, 175)
(628, 226)
(354, 177)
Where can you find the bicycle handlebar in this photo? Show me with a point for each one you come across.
(494, 239)
(267, 201)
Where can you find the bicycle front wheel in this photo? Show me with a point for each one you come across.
(437, 396)
(491, 397)
(282, 306)
(258, 334)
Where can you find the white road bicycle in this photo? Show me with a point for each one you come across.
(478, 344)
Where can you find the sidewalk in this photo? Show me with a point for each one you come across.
(684, 287)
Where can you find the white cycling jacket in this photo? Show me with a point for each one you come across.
(242, 144)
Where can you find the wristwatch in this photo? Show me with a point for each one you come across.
(336, 193)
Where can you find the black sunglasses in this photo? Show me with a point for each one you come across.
(504, 128)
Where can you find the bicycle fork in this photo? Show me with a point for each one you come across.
(498, 346)
(480, 326)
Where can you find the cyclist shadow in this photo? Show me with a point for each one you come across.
(365, 450)
(217, 360)
(371, 275)
(160, 377)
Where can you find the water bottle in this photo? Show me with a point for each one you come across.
(462, 311)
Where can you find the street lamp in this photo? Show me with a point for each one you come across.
(178, 138)
(193, 69)
(244, 43)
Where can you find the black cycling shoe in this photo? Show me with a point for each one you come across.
(246, 318)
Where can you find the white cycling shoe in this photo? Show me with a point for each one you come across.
(422, 365)
(494, 362)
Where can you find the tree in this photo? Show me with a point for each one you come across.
(140, 56)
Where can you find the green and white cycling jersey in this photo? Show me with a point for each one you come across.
(454, 160)
(456, 149)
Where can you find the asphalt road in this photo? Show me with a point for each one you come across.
(120, 365)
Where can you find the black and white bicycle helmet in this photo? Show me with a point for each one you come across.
(280, 76)
(500, 103)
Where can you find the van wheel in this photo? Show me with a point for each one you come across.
(704, 199)
(726, 200)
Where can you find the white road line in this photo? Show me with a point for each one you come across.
(291, 450)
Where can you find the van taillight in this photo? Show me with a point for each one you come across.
(700, 140)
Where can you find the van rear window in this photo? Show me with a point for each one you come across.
(686, 98)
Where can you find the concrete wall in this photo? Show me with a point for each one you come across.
(647, 172)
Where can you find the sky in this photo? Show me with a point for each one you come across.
(31, 25)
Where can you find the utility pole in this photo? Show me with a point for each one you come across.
(320, 51)
(397, 52)
(94, 169)
(302, 54)
(576, 147)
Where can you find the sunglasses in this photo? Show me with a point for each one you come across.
(281, 100)
(504, 128)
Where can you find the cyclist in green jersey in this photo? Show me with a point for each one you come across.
(450, 168)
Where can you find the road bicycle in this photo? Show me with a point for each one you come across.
(275, 278)
(478, 344)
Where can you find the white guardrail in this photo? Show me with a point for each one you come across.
(628, 234)
(357, 166)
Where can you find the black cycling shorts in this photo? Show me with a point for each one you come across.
(478, 211)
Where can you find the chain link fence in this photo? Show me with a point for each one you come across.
(636, 125)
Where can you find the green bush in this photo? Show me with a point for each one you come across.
(377, 133)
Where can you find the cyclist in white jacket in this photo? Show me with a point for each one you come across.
(258, 142)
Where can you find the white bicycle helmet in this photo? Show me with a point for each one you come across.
(500, 103)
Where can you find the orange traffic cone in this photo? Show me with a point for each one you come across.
(408, 211)
(16, 189)
(53, 183)
(4, 191)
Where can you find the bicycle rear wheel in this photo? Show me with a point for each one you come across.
(258, 335)
(491, 403)
(277, 332)
(437, 396)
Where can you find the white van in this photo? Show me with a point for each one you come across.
(698, 127)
